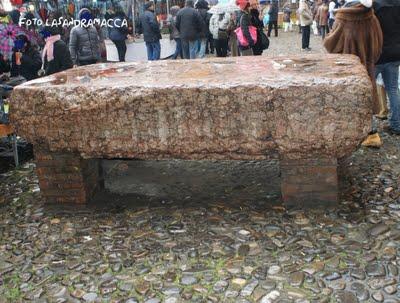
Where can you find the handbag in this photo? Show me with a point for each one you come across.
(242, 39)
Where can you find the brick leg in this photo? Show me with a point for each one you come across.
(67, 178)
(309, 182)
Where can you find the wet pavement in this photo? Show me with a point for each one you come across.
(205, 231)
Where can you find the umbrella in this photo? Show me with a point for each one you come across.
(224, 8)
(8, 33)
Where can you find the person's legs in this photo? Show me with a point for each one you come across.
(276, 28)
(218, 47)
(185, 49)
(390, 75)
(202, 48)
(178, 50)
(233, 45)
(224, 47)
(149, 48)
(305, 41)
(270, 24)
(121, 47)
(323, 31)
(211, 40)
(156, 50)
(193, 49)
(285, 26)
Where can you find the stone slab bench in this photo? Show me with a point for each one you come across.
(308, 110)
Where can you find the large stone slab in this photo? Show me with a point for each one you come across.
(309, 110)
(235, 108)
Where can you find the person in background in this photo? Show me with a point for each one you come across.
(232, 38)
(244, 24)
(333, 5)
(306, 20)
(322, 18)
(151, 32)
(56, 56)
(190, 25)
(84, 43)
(26, 60)
(287, 11)
(273, 18)
(118, 34)
(357, 31)
(4, 65)
(174, 33)
(255, 21)
(219, 29)
(202, 8)
(388, 14)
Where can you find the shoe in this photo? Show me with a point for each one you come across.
(372, 141)
(381, 117)
(308, 48)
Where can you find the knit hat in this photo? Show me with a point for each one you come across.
(243, 4)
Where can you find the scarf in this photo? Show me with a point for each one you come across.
(48, 50)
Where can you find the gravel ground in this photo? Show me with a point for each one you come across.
(205, 231)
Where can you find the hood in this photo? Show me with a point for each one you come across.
(82, 11)
(202, 4)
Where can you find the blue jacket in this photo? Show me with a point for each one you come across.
(149, 27)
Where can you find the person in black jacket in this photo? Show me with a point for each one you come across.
(56, 55)
(202, 7)
(244, 23)
(26, 60)
(388, 14)
(190, 26)
(4, 65)
(273, 18)
(151, 32)
(255, 21)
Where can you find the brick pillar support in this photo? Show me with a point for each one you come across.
(67, 178)
(309, 182)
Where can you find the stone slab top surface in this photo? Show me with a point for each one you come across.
(220, 108)
(213, 72)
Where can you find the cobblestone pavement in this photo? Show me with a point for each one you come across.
(205, 231)
(290, 44)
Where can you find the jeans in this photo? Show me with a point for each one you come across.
(390, 75)
(178, 50)
(201, 44)
(305, 39)
(189, 49)
(221, 46)
(121, 48)
(330, 23)
(324, 30)
(275, 25)
(153, 50)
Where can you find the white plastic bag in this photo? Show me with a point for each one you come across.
(315, 28)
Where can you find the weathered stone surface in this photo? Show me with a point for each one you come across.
(236, 108)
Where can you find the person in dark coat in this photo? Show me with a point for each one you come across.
(4, 65)
(202, 7)
(273, 18)
(151, 32)
(255, 21)
(26, 60)
(84, 41)
(190, 25)
(244, 23)
(56, 55)
(118, 34)
(388, 14)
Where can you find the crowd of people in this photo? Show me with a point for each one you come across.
(366, 28)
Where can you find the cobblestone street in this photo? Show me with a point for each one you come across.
(206, 231)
